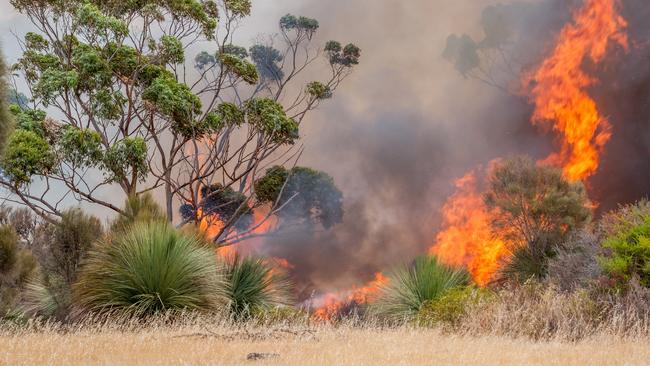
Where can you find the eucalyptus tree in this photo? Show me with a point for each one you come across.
(116, 100)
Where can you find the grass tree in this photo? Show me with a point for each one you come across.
(254, 285)
(150, 269)
(116, 100)
(410, 287)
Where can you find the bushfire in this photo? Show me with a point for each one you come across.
(559, 94)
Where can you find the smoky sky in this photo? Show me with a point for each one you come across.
(405, 124)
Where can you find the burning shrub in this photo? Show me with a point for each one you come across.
(254, 285)
(410, 287)
(536, 207)
(150, 269)
(627, 244)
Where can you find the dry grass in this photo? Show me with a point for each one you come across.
(229, 345)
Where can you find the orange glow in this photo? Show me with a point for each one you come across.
(362, 295)
(466, 238)
(561, 102)
(559, 93)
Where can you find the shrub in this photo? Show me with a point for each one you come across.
(150, 269)
(254, 285)
(627, 244)
(410, 287)
(449, 309)
(17, 266)
(536, 208)
(71, 238)
(575, 264)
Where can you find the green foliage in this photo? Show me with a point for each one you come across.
(234, 50)
(29, 119)
(239, 8)
(347, 56)
(176, 101)
(128, 156)
(138, 209)
(6, 120)
(627, 245)
(410, 287)
(171, 50)
(291, 22)
(269, 116)
(95, 21)
(239, 67)
(71, 239)
(536, 207)
(529, 262)
(204, 60)
(148, 270)
(27, 154)
(319, 90)
(17, 266)
(303, 193)
(449, 309)
(53, 83)
(81, 147)
(254, 285)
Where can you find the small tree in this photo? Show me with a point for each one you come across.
(124, 109)
(536, 208)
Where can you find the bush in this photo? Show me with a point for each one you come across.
(254, 285)
(71, 238)
(17, 266)
(449, 310)
(575, 264)
(536, 209)
(627, 245)
(150, 269)
(410, 287)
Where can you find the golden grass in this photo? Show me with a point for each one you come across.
(228, 345)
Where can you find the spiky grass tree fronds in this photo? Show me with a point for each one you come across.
(150, 269)
(410, 287)
(255, 285)
(47, 297)
(526, 263)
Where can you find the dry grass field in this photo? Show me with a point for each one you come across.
(296, 346)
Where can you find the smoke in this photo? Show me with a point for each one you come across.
(407, 123)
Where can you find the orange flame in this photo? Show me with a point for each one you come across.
(560, 96)
(333, 303)
(467, 239)
(561, 100)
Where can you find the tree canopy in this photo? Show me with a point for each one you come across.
(113, 102)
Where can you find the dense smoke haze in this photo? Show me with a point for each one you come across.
(407, 123)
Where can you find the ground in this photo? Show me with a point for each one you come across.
(295, 346)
